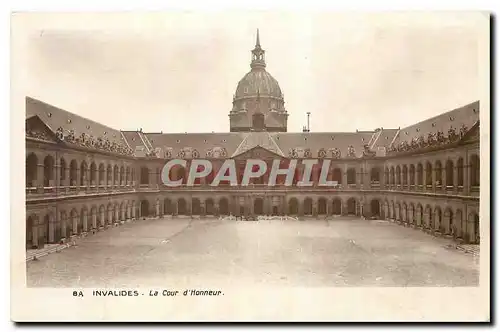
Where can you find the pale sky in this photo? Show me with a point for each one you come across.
(177, 72)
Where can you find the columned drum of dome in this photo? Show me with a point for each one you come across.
(258, 92)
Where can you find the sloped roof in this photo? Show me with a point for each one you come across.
(236, 143)
(466, 115)
(384, 138)
(317, 141)
(54, 118)
(133, 139)
(199, 141)
(254, 139)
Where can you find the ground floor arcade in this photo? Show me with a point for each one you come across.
(62, 220)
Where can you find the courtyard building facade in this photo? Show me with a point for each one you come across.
(83, 177)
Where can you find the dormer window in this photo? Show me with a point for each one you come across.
(204, 141)
(223, 141)
(105, 132)
(332, 138)
(69, 120)
(434, 124)
(418, 129)
(178, 141)
(406, 133)
(452, 118)
(49, 114)
(474, 110)
(88, 126)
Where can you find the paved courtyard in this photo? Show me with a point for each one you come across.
(311, 253)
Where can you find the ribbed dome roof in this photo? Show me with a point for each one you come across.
(258, 81)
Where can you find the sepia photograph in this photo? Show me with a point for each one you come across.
(178, 156)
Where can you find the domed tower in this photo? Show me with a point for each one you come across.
(258, 103)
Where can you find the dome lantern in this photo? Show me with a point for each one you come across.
(258, 55)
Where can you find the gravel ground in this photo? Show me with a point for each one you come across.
(310, 253)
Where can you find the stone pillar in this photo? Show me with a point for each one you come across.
(74, 220)
(427, 216)
(408, 183)
(202, 208)
(77, 184)
(434, 178)
(344, 176)
(301, 208)
(35, 235)
(466, 175)
(249, 205)
(189, 206)
(359, 176)
(455, 178)
(50, 236)
(447, 223)
(157, 209)
(268, 205)
(366, 176)
(39, 178)
(85, 223)
(216, 208)
(471, 229)
(315, 208)
(133, 212)
(94, 220)
(343, 208)
(57, 175)
(66, 177)
(424, 177)
(444, 177)
(236, 205)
